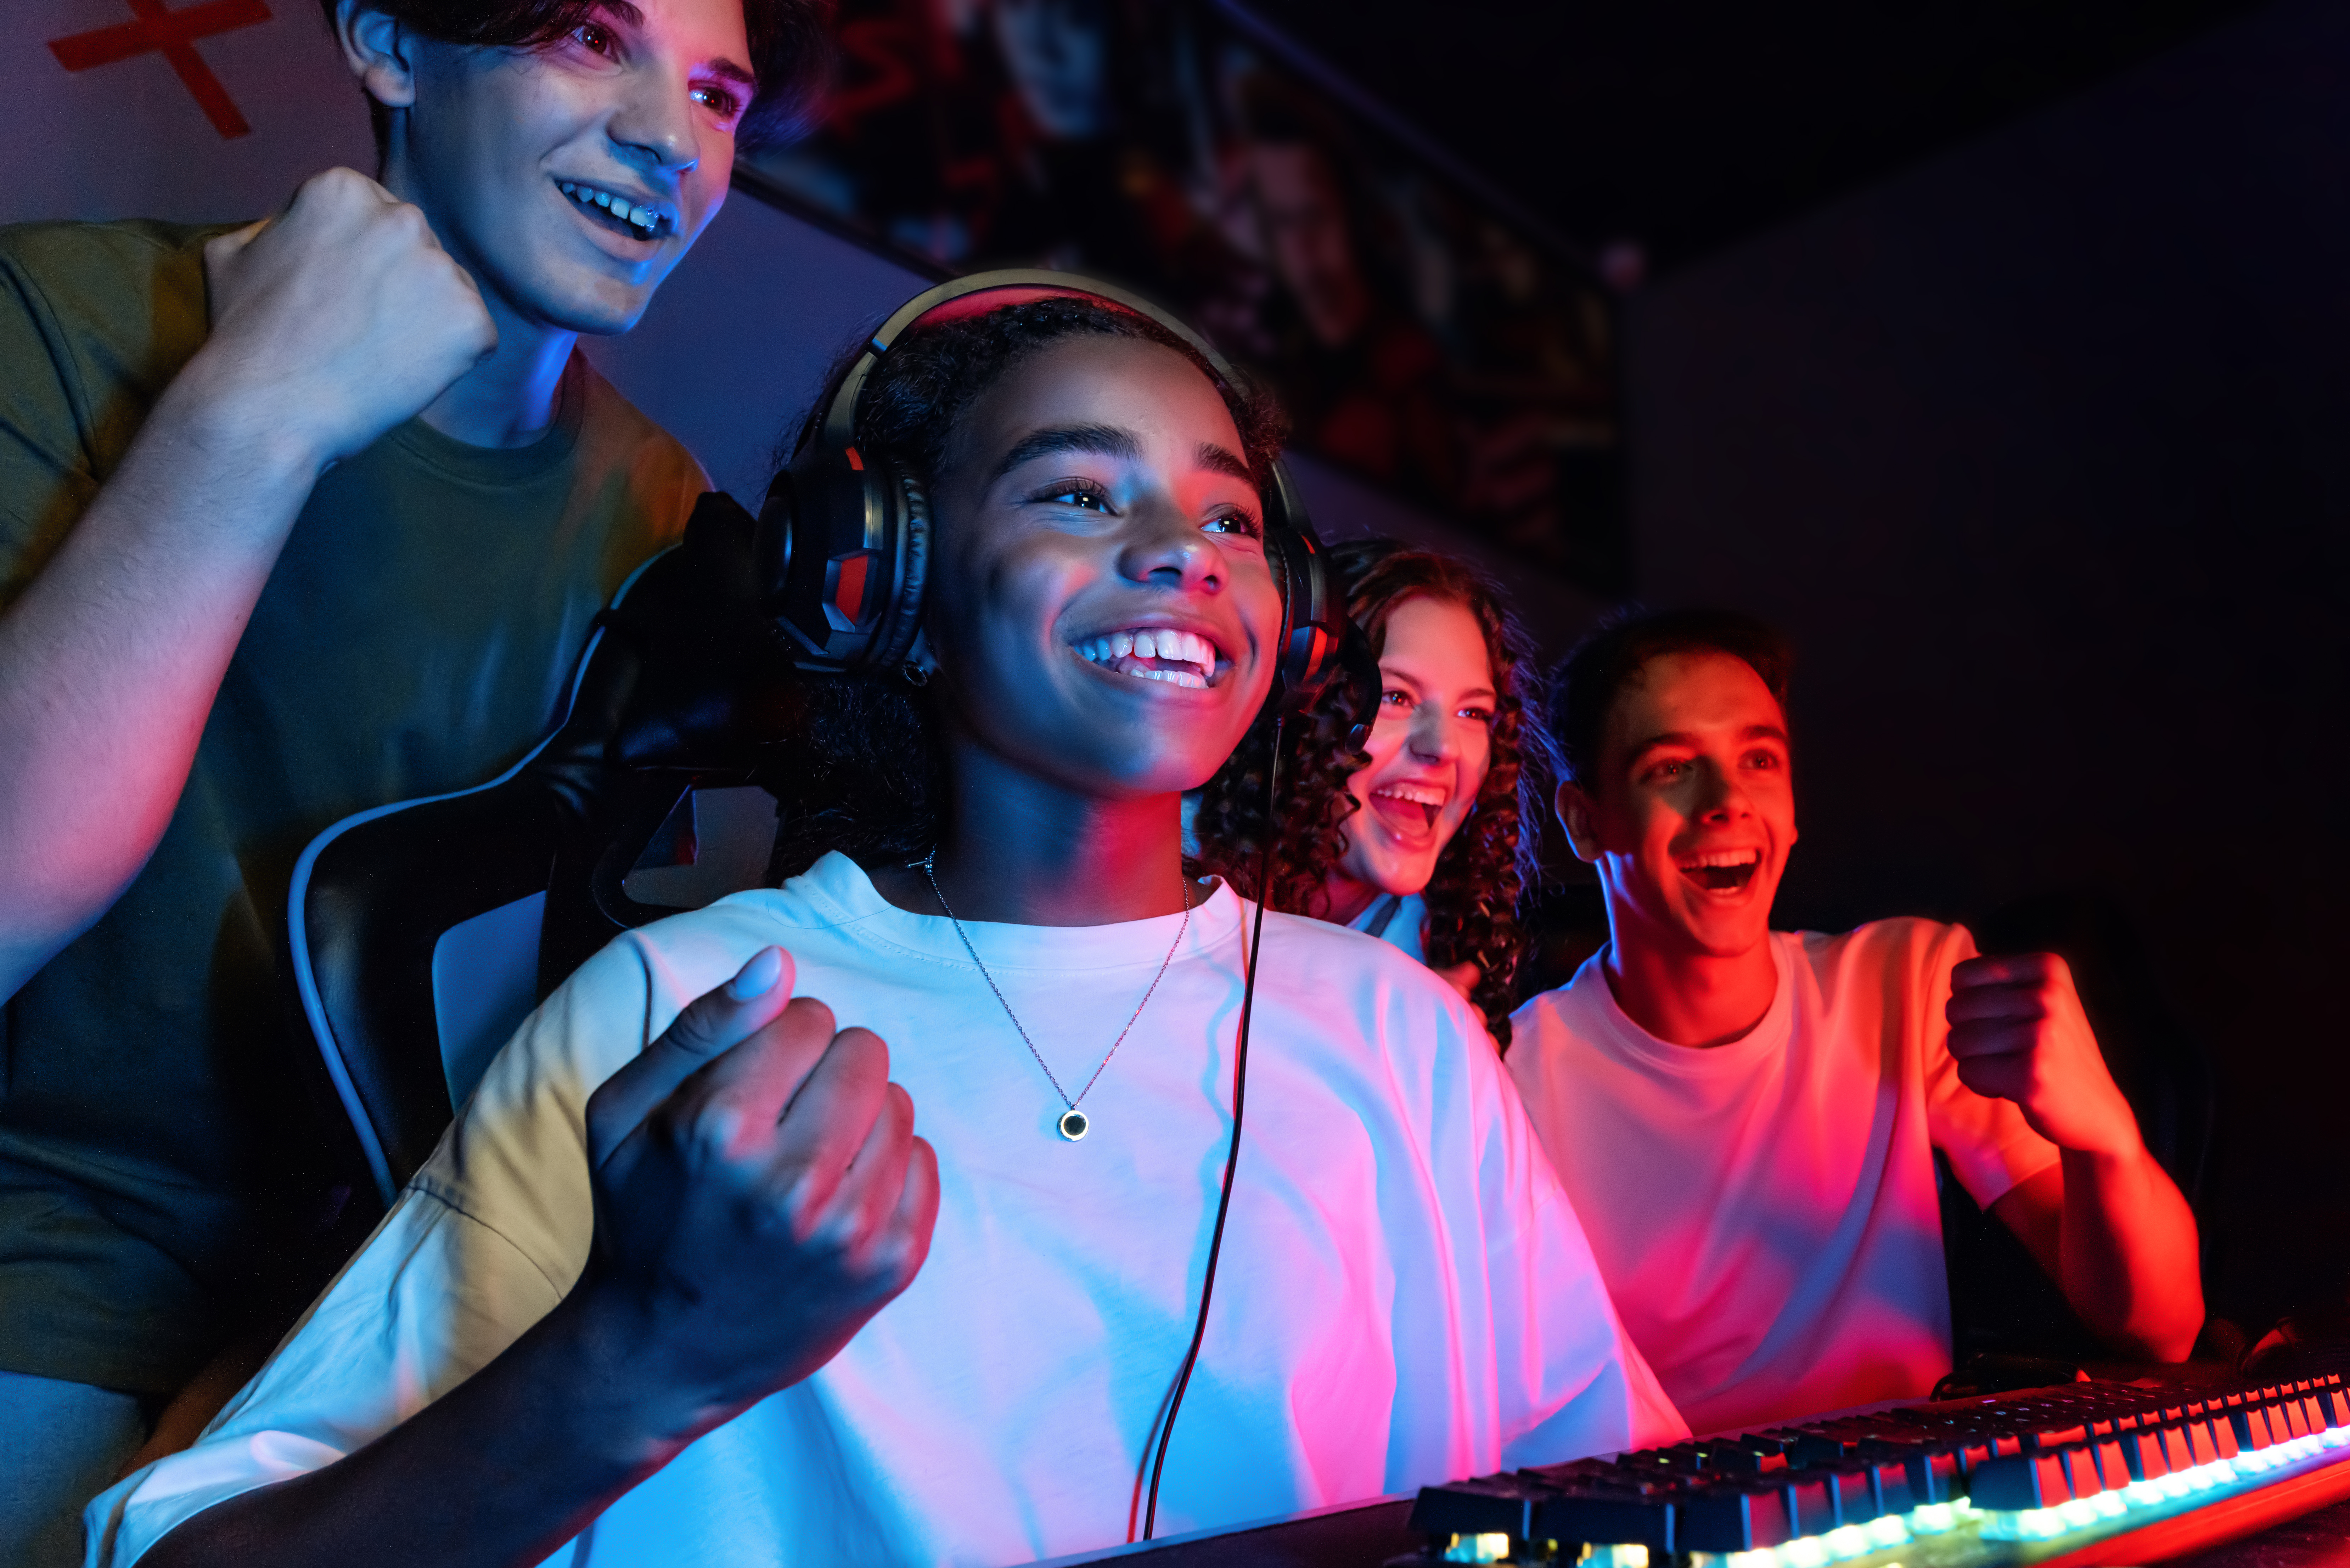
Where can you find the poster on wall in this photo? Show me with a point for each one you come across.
(1419, 335)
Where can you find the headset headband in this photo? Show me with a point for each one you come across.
(960, 297)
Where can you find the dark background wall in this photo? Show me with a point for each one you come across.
(2042, 452)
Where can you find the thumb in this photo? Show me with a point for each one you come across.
(220, 250)
(710, 1024)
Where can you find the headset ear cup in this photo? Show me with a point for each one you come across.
(899, 630)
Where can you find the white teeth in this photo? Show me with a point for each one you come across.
(1417, 795)
(643, 217)
(1161, 643)
(1723, 857)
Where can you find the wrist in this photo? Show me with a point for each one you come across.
(640, 1395)
(220, 408)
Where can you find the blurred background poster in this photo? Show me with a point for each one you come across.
(1419, 334)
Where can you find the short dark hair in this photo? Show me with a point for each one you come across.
(1585, 686)
(791, 48)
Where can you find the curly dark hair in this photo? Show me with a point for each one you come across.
(871, 782)
(1483, 874)
(790, 41)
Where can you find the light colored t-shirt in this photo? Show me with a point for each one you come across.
(1765, 1212)
(1404, 1295)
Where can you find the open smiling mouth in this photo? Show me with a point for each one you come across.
(1409, 805)
(1723, 870)
(617, 213)
(1154, 653)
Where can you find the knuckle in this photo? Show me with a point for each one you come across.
(807, 1012)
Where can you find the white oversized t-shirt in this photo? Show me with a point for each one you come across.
(1404, 1296)
(1765, 1212)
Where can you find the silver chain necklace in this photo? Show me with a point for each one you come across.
(1073, 1122)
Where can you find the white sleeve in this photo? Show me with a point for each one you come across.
(431, 1299)
(486, 1239)
(1570, 1381)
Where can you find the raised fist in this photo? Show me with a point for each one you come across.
(2017, 1033)
(338, 318)
(760, 1192)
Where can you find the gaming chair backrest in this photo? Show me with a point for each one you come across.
(423, 931)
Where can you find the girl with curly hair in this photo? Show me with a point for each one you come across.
(1421, 838)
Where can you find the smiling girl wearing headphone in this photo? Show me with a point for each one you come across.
(682, 1285)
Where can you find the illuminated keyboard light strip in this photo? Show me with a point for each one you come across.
(1935, 1519)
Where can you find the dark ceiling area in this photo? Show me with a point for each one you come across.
(1682, 126)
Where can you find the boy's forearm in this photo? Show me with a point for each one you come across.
(498, 1472)
(110, 660)
(2129, 1257)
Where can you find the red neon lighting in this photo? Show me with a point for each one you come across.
(174, 35)
(855, 462)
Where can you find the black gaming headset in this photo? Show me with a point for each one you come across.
(846, 545)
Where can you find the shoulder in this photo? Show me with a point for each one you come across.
(1405, 1011)
(132, 248)
(134, 281)
(1559, 1019)
(1905, 951)
(661, 474)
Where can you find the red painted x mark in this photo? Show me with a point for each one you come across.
(174, 33)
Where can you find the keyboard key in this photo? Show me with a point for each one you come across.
(2025, 1481)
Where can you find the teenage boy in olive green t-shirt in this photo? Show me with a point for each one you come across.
(296, 519)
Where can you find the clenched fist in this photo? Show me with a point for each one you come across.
(760, 1192)
(338, 318)
(2017, 1033)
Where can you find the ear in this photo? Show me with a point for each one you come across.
(1576, 813)
(379, 51)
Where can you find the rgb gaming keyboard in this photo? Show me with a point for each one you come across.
(2082, 1473)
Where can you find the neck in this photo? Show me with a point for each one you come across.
(1681, 993)
(1023, 851)
(507, 399)
(1346, 897)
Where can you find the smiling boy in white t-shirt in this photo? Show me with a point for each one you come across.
(1746, 1118)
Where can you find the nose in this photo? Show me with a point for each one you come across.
(1722, 796)
(1430, 737)
(653, 126)
(1166, 549)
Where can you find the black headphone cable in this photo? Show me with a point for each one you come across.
(1233, 1159)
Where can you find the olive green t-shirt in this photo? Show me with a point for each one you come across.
(416, 636)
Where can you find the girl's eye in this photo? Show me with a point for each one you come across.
(1086, 497)
(1762, 760)
(1237, 523)
(1395, 699)
(718, 100)
(1669, 770)
(595, 35)
(1479, 715)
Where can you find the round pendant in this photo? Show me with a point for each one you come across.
(1073, 1124)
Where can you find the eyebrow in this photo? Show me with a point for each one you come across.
(1100, 441)
(633, 17)
(1687, 738)
(1218, 459)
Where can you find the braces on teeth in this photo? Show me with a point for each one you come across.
(638, 217)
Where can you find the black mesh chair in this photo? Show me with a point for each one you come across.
(423, 931)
